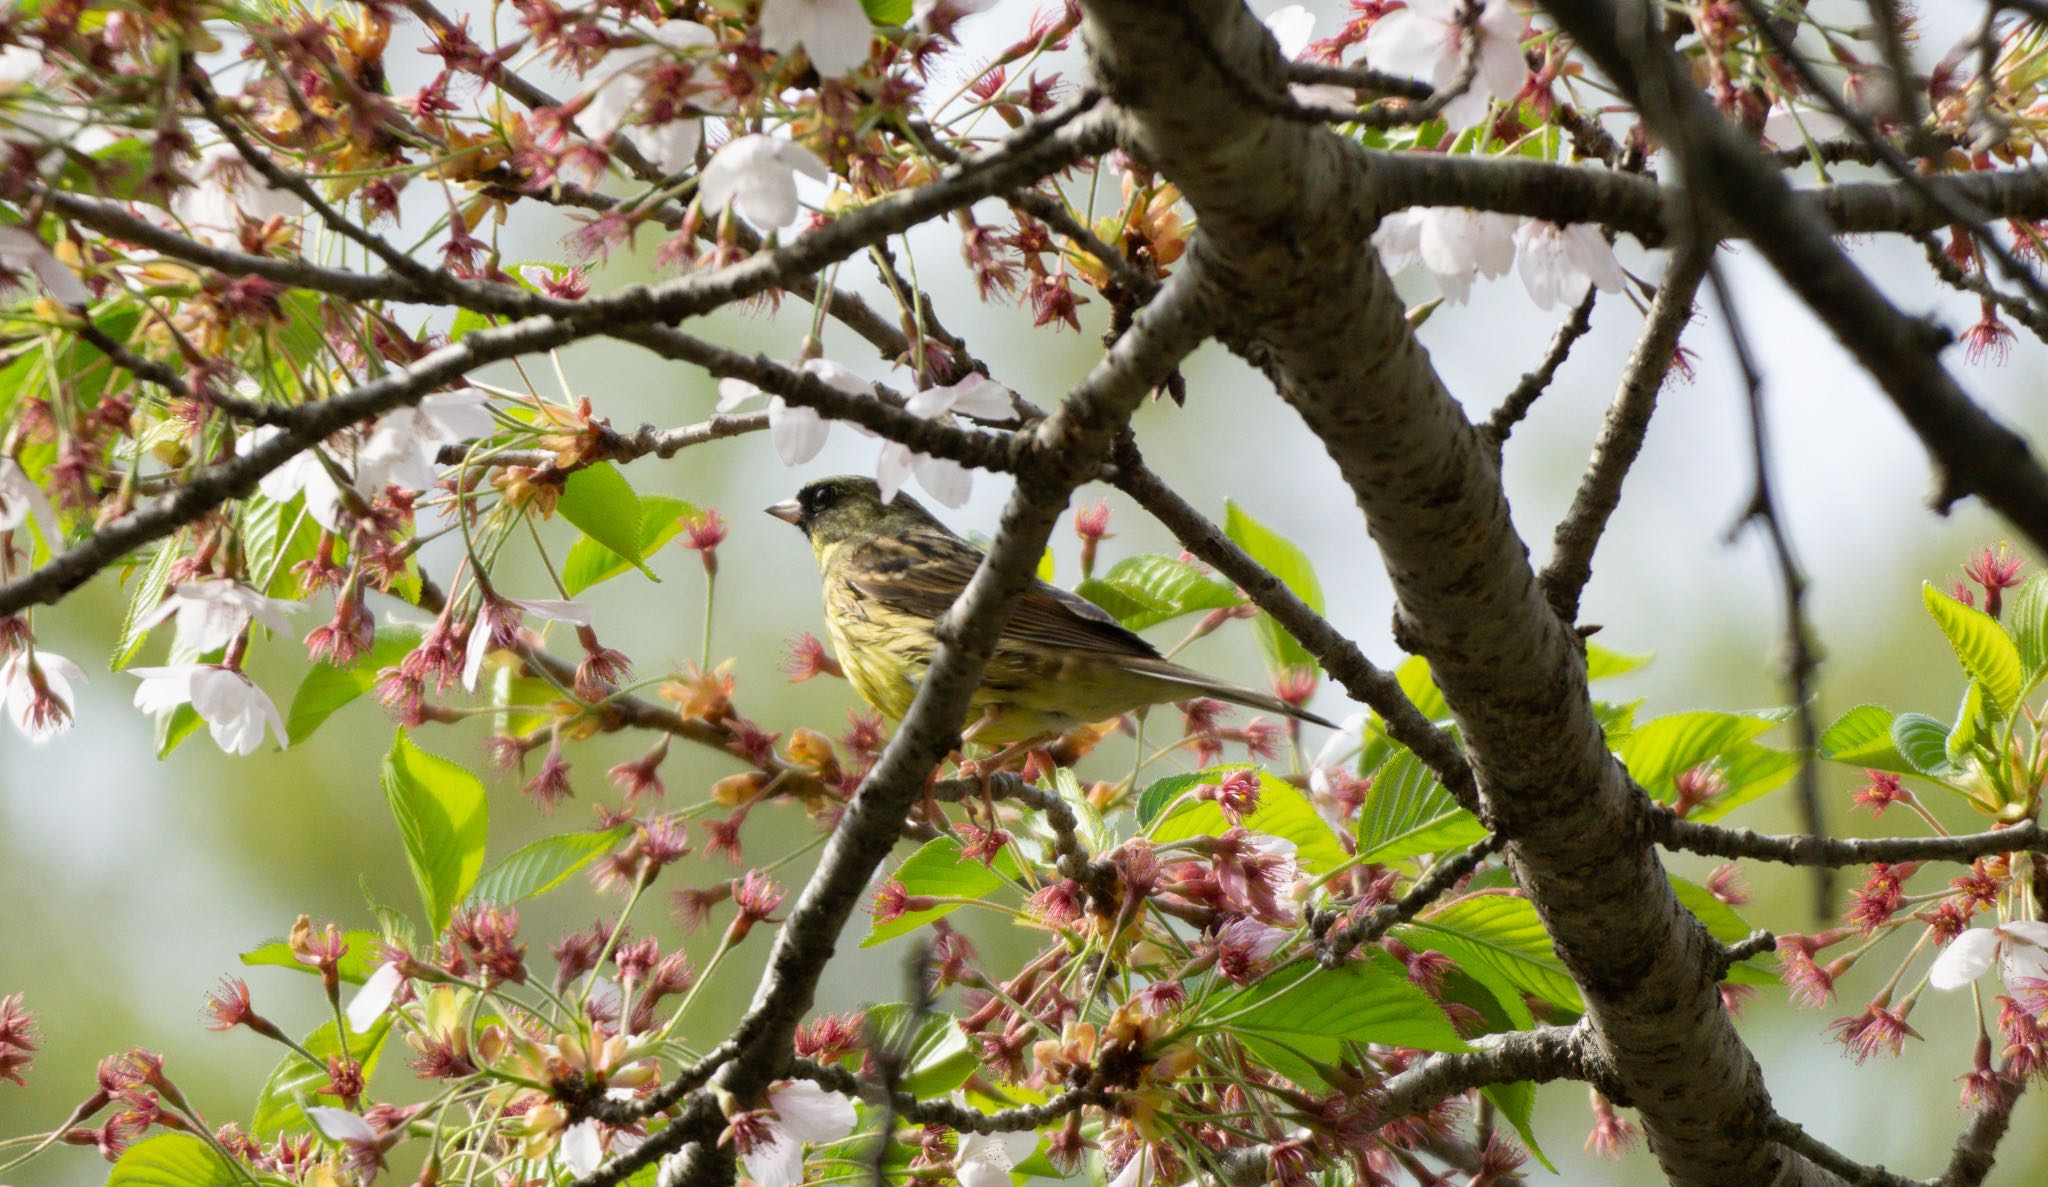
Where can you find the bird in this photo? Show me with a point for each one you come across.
(890, 569)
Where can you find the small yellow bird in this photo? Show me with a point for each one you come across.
(891, 569)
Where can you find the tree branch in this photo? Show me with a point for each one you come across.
(1805, 850)
(1621, 438)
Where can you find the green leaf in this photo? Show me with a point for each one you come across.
(1923, 742)
(1656, 752)
(1517, 1102)
(598, 500)
(354, 967)
(1724, 925)
(148, 593)
(590, 561)
(174, 727)
(1408, 812)
(467, 322)
(937, 868)
(442, 815)
(1605, 664)
(1970, 717)
(175, 1160)
(118, 172)
(1142, 591)
(1862, 737)
(325, 688)
(1498, 939)
(1415, 681)
(936, 1060)
(294, 1083)
(545, 864)
(1283, 812)
(276, 536)
(1305, 1012)
(2026, 616)
(887, 12)
(1986, 652)
(1162, 792)
(1280, 557)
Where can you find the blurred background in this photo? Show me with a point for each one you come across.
(130, 885)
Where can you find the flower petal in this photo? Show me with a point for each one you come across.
(1966, 958)
(370, 1001)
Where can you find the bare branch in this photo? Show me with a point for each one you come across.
(1804, 850)
(1369, 926)
(1535, 383)
(1621, 438)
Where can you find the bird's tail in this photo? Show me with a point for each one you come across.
(1236, 694)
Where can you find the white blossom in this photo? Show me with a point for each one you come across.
(233, 708)
(402, 448)
(581, 1150)
(804, 1113)
(1558, 263)
(211, 613)
(22, 251)
(986, 1159)
(1137, 1172)
(20, 497)
(835, 34)
(227, 191)
(1457, 245)
(1427, 40)
(2019, 948)
(948, 481)
(373, 998)
(758, 174)
(798, 433)
(37, 688)
(340, 1125)
(616, 94)
(304, 472)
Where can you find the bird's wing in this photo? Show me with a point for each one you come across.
(922, 572)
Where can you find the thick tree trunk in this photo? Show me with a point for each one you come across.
(1286, 209)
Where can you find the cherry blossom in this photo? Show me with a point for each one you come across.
(228, 192)
(616, 94)
(303, 472)
(1427, 40)
(948, 481)
(402, 448)
(2018, 947)
(374, 997)
(37, 687)
(1557, 263)
(211, 613)
(986, 1159)
(1455, 244)
(22, 251)
(757, 173)
(834, 34)
(20, 497)
(233, 708)
(797, 432)
(799, 1112)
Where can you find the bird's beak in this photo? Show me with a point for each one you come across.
(788, 512)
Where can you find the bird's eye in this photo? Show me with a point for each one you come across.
(822, 498)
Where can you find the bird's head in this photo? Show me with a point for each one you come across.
(835, 510)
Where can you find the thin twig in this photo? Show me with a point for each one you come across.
(1806, 850)
(1621, 438)
(1800, 660)
(1535, 383)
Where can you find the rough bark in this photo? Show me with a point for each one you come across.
(1286, 210)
